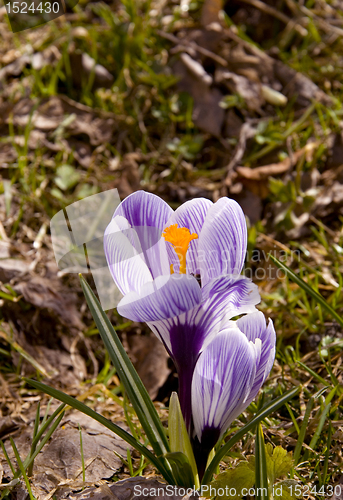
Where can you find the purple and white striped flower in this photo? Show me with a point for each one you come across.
(228, 376)
(157, 258)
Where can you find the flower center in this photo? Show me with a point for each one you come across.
(180, 238)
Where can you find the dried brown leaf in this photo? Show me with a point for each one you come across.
(47, 293)
(207, 114)
(58, 468)
(210, 11)
(150, 359)
(261, 173)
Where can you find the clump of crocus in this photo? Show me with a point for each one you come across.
(180, 272)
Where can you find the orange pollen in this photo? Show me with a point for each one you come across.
(180, 238)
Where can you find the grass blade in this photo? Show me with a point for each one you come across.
(82, 456)
(303, 430)
(24, 354)
(315, 295)
(327, 455)
(313, 373)
(47, 422)
(7, 457)
(78, 405)
(137, 393)
(35, 430)
(22, 469)
(29, 460)
(261, 475)
(262, 414)
(319, 429)
(47, 411)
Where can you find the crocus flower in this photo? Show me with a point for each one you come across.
(180, 273)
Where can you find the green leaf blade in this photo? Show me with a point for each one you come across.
(261, 473)
(178, 436)
(138, 395)
(182, 469)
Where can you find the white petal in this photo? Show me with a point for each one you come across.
(124, 256)
(222, 380)
(165, 297)
(222, 241)
(254, 327)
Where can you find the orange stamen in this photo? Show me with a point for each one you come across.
(180, 238)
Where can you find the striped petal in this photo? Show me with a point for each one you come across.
(147, 214)
(223, 241)
(165, 297)
(226, 298)
(185, 336)
(204, 321)
(124, 256)
(254, 327)
(144, 209)
(191, 215)
(222, 382)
